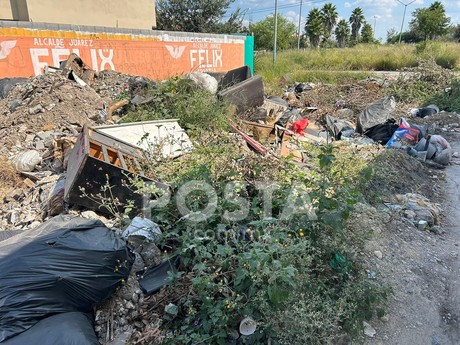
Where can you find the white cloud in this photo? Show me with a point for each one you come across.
(347, 4)
(292, 16)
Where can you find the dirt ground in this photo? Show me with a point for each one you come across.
(423, 268)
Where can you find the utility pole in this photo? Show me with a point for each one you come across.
(404, 16)
(375, 21)
(300, 19)
(276, 31)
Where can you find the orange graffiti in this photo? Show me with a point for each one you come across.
(24, 53)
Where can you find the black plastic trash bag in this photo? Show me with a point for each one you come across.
(65, 265)
(382, 133)
(375, 114)
(337, 126)
(157, 277)
(61, 329)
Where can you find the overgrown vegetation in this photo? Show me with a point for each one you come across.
(180, 99)
(429, 83)
(335, 65)
(292, 269)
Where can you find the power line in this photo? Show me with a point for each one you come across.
(295, 4)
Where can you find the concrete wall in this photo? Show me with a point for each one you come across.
(133, 14)
(28, 47)
(5, 10)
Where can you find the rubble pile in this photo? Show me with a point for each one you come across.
(49, 138)
(49, 102)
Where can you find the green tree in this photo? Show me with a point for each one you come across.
(314, 27)
(430, 22)
(195, 16)
(356, 20)
(330, 15)
(264, 36)
(342, 33)
(367, 34)
(456, 33)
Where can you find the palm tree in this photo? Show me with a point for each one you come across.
(314, 27)
(330, 15)
(356, 20)
(342, 32)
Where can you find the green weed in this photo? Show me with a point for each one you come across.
(180, 99)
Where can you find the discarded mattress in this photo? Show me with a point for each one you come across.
(165, 135)
(68, 264)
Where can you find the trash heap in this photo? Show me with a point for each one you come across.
(62, 134)
(278, 126)
(53, 134)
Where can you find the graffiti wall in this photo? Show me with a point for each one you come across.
(26, 52)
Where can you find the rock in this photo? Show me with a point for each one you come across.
(135, 298)
(14, 104)
(13, 217)
(39, 145)
(378, 254)
(421, 206)
(171, 309)
(134, 314)
(437, 230)
(422, 224)
(35, 110)
(409, 214)
(369, 330)
(93, 215)
(129, 305)
(47, 138)
(385, 318)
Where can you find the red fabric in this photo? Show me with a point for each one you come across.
(299, 126)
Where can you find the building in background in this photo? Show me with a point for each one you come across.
(138, 14)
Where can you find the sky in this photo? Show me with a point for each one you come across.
(385, 14)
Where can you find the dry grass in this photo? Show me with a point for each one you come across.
(9, 178)
(335, 65)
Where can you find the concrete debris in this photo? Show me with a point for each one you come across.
(369, 331)
(421, 208)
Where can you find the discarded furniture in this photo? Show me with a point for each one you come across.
(166, 136)
(245, 95)
(99, 161)
(234, 77)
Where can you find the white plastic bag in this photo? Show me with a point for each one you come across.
(27, 161)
